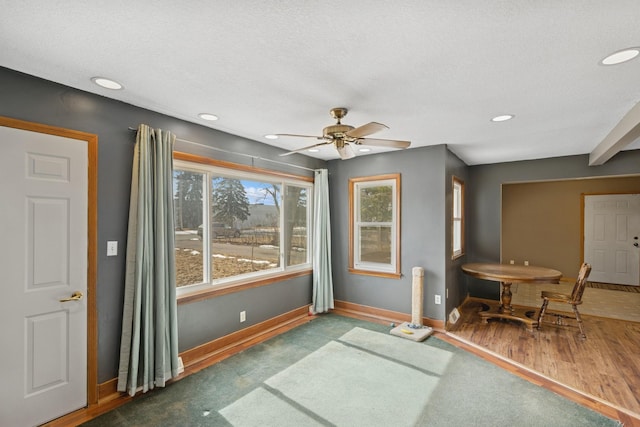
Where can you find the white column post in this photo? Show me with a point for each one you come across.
(417, 299)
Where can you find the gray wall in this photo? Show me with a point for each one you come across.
(425, 212)
(423, 185)
(484, 199)
(455, 281)
(28, 98)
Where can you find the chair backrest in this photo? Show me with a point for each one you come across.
(581, 282)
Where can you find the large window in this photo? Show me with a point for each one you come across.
(457, 219)
(237, 225)
(374, 243)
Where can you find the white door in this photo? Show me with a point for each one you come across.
(611, 238)
(43, 260)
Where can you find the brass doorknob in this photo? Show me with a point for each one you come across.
(77, 295)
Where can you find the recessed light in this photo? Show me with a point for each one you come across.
(106, 83)
(364, 150)
(621, 56)
(271, 136)
(313, 150)
(208, 116)
(503, 118)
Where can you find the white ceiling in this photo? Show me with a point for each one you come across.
(435, 72)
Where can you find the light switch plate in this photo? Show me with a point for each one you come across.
(112, 248)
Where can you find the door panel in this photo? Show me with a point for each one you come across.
(47, 341)
(47, 242)
(44, 260)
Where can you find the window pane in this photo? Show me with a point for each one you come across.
(457, 195)
(296, 221)
(187, 189)
(457, 239)
(375, 244)
(245, 226)
(457, 243)
(376, 204)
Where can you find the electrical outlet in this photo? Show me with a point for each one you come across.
(526, 263)
(438, 299)
(243, 316)
(454, 315)
(512, 262)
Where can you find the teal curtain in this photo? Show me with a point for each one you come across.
(322, 299)
(149, 343)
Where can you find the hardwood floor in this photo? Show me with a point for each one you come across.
(605, 366)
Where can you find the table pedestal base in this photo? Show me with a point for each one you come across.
(506, 311)
(517, 314)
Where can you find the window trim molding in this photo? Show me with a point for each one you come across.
(205, 291)
(457, 181)
(352, 184)
(239, 286)
(194, 158)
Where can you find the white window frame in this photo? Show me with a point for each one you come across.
(209, 170)
(356, 265)
(457, 217)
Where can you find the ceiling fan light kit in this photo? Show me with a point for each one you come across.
(344, 136)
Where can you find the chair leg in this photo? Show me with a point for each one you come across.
(579, 319)
(542, 310)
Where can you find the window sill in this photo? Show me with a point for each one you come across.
(456, 256)
(203, 294)
(376, 273)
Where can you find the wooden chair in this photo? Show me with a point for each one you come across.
(575, 299)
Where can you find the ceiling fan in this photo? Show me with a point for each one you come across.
(345, 136)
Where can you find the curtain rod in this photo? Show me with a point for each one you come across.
(236, 153)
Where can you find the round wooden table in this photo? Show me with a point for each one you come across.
(508, 274)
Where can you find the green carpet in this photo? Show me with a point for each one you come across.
(363, 372)
(345, 372)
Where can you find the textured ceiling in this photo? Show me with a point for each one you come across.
(435, 72)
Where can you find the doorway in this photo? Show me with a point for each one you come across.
(612, 238)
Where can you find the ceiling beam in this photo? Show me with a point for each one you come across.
(623, 134)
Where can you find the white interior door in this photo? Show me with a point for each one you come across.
(611, 238)
(43, 259)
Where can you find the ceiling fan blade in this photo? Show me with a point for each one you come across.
(365, 130)
(346, 152)
(383, 142)
(305, 148)
(299, 136)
